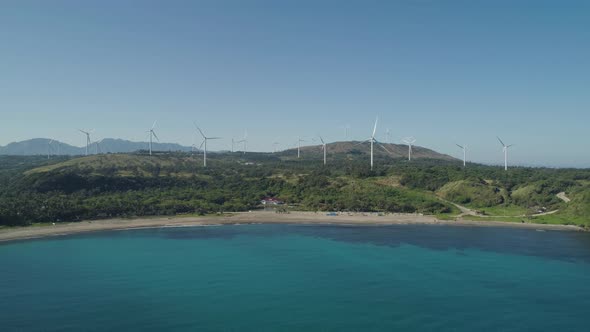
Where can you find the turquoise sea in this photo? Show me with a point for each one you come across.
(299, 278)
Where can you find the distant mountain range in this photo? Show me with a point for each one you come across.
(41, 146)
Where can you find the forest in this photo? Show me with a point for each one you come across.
(64, 189)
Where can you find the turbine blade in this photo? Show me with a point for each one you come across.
(500, 141)
(321, 139)
(200, 131)
(375, 127)
(214, 137)
(200, 146)
(154, 125)
(384, 148)
(460, 146)
(156, 136)
(363, 142)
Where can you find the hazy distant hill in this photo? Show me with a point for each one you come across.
(38, 146)
(41, 146)
(351, 149)
(121, 146)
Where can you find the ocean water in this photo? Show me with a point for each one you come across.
(299, 278)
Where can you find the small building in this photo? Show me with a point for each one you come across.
(271, 201)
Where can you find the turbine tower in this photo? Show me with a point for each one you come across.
(464, 148)
(49, 148)
(373, 140)
(205, 139)
(505, 149)
(245, 140)
(387, 136)
(88, 141)
(323, 148)
(152, 135)
(409, 141)
(97, 147)
(275, 144)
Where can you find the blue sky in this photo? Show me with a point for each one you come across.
(444, 72)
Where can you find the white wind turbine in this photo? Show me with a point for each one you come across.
(275, 144)
(505, 149)
(88, 141)
(324, 148)
(387, 136)
(373, 140)
(409, 141)
(97, 146)
(464, 148)
(346, 132)
(49, 148)
(244, 141)
(152, 135)
(205, 139)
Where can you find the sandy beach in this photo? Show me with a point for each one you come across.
(60, 229)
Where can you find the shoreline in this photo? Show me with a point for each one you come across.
(255, 217)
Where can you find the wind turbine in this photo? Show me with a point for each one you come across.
(205, 139)
(98, 149)
(410, 141)
(505, 149)
(323, 148)
(373, 140)
(88, 141)
(275, 144)
(299, 140)
(245, 140)
(387, 136)
(464, 148)
(233, 143)
(152, 135)
(49, 148)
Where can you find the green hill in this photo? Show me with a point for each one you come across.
(477, 194)
(356, 150)
(124, 185)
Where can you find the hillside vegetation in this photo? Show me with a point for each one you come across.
(473, 193)
(126, 185)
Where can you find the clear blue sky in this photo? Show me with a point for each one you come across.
(445, 72)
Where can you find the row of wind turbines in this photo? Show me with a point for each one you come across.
(372, 140)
